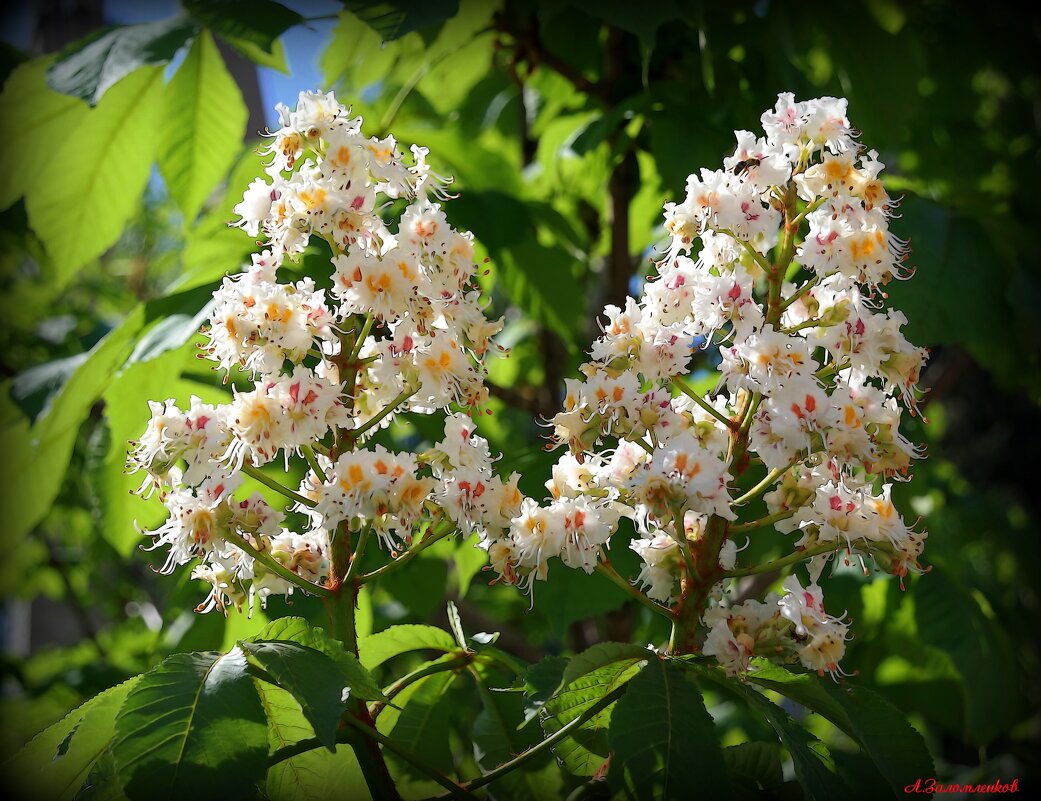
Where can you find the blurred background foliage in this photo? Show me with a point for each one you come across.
(566, 126)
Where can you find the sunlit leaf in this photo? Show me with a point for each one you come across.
(203, 122)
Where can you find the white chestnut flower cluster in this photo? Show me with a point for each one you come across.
(777, 262)
(400, 328)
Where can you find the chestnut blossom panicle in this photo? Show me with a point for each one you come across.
(775, 271)
(399, 327)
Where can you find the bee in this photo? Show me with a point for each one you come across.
(741, 166)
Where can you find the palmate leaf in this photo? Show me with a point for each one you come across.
(498, 736)
(422, 725)
(377, 648)
(881, 729)
(754, 766)
(392, 19)
(814, 767)
(359, 680)
(38, 454)
(56, 763)
(93, 182)
(256, 22)
(599, 655)
(586, 749)
(660, 732)
(204, 119)
(311, 677)
(46, 118)
(541, 681)
(90, 67)
(193, 727)
(315, 775)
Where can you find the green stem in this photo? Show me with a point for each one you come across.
(763, 485)
(455, 790)
(790, 559)
(352, 568)
(360, 343)
(810, 208)
(461, 661)
(831, 369)
(264, 479)
(742, 528)
(801, 292)
(312, 460)
(749, 415)
(816, 323)
(355, 433)
(275, 566)
(687, 390)
(642, 444)
(760, 259)
(409, 555)
(605, 569)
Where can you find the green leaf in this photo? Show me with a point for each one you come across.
(213, 248)
(541, 681)
(38, 455)
(91, 186)
(377, 648)
(879, 727)
(312, 678)
(192, 727)
(204, 119)
(56, 763)
(422, 725)
(754, 766)
(46, 120)
(315, 775)
(91, 66)
(392, 19)
(169, 334)
(659, 729)
(599, 655)
(259, 22)
(536, 277)
(641, 19)
(814, 766)
(275, 60)
(35, 389)
(498, 738)
(585, 751)
(951, 619)
(295, 629)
